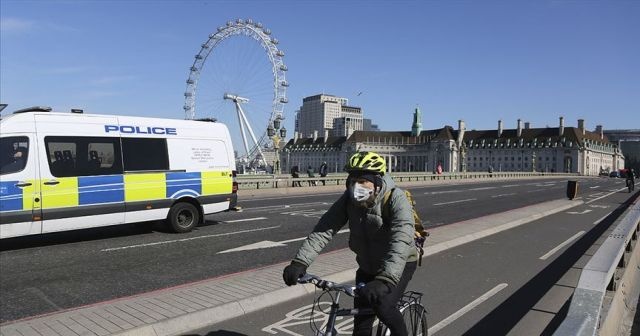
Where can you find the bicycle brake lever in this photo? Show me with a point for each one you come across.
(306, 278)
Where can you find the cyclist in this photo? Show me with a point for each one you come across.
(630, 179)
(384, 247)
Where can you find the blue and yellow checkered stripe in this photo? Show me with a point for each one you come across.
(91, 190)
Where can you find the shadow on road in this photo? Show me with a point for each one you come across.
(75, 236)
(504, 317)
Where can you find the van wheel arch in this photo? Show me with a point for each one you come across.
(184, 215)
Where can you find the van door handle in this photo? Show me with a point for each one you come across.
(51, 182)
(22, 184)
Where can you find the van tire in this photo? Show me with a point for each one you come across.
(183, 217)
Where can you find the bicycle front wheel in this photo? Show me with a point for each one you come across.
(415, 319)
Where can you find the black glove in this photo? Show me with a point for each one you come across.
(375, 290)
(292, 272)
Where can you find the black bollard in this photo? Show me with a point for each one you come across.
(572, 189)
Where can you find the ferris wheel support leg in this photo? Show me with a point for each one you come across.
(253, 136)
(242, 126)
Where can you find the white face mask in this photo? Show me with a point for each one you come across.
(361, 193)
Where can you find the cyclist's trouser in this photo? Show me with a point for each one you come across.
(387, 310)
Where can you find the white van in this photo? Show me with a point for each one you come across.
(67, 171)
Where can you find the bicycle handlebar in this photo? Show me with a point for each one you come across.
(327, 285)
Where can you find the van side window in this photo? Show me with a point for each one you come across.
(83, 156)
(14, 153)
(141, 154)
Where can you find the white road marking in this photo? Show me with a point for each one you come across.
(586, 211)
(536, 190)
(510, 185)
(601, 219)
(483, 188)
(598, 206)
(187, 239)
(502, 195)
(565, 243)
(268, 244)
(466, 309)
(280, 207)
(442, 192)
(611, 193)
(594, 187)
(464, 200)
(245, 220)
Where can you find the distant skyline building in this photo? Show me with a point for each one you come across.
(369, 126)
(320, 112)
(628, 140)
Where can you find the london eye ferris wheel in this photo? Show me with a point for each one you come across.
(238, 78)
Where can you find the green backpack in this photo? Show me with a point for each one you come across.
(420, 234)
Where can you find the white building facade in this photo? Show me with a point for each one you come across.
(521, 149)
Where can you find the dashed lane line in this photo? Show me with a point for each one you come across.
(601, 219)
(187, 239)
(466, 309)
(459, 201)
(563, 244)
(245, 220)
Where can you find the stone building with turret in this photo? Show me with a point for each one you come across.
(520, 149)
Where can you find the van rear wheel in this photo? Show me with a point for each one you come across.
(183, 217)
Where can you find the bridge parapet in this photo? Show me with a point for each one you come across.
(607, 283)
(286, 181)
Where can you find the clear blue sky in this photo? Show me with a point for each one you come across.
(479, 61)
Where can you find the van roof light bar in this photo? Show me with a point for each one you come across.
(34, 109)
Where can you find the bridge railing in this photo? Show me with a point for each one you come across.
(286, 181)
(603, 277)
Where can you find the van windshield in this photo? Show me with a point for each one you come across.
(13, 154)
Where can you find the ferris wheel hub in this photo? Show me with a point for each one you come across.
(235, 98)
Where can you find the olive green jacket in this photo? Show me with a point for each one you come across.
(382, 246)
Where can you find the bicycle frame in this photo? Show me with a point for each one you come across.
(408, 298)
(335, 311)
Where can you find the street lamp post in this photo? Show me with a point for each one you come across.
(272, 132)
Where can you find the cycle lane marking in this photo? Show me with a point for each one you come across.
(609, 194)
(486, 296)
(601, 219)
(563, 244)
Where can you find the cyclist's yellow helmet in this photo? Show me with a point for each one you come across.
(366, 162)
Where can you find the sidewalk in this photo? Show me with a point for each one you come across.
(180, 309)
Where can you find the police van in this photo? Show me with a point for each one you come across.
(67, 171)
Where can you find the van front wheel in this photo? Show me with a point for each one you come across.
(183, 217)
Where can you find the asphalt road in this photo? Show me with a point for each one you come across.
(48, 273)
(516, 282)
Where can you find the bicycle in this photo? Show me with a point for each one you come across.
(630, 185)
(414, 314)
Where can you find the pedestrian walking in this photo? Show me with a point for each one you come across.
(323, 171)
(311, 175)
(295, 174)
